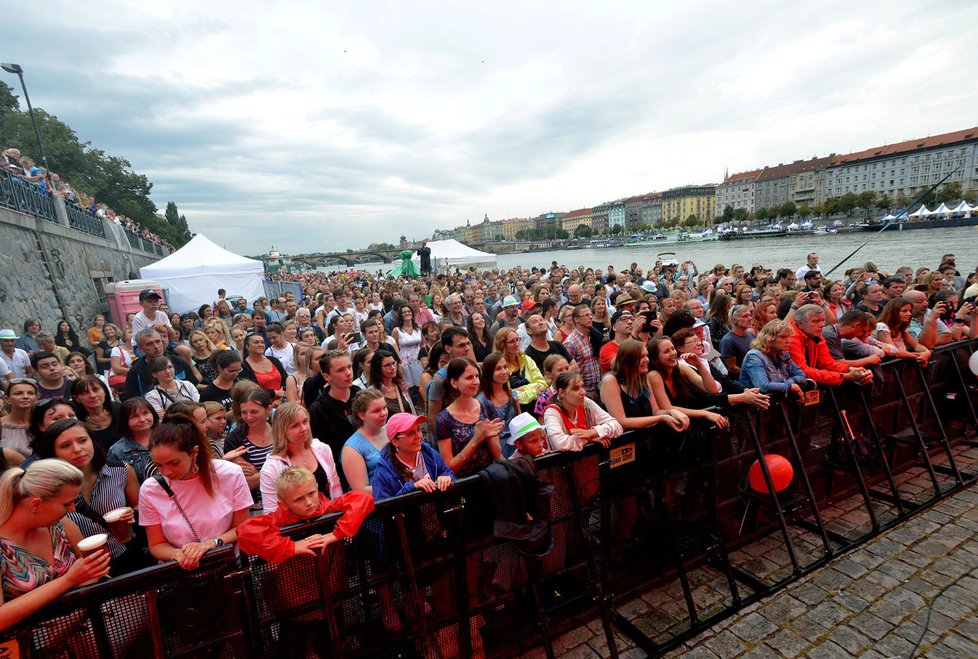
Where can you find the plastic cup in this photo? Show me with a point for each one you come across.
(118, 524)
(93, 543)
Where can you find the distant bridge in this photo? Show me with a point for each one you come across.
(348, 258)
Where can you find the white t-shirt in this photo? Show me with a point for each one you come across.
(284, 355)
(4, 369)
(18, 364)
(210, 516)
(141, 322)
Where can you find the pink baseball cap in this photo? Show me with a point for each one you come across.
(401, 422)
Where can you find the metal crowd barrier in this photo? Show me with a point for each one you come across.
(425, 577)
(25, 197)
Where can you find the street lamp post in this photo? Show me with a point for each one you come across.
(19, 70)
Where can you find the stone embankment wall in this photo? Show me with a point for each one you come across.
(51, 271)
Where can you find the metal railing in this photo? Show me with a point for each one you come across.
(83, 220)
(426, 575)
(26, 197)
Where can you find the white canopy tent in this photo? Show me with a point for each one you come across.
(920, 212)
(194, 272)
(963, 207)
(942, 210)
(453, 254)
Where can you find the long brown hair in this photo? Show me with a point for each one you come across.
(489, 365)
(181, 433)
(678, 381)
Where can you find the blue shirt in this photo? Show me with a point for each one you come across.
(371, 454)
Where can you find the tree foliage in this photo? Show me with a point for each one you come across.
(107, 178)
(787, 209)
(728, 213)
(583, 231)
(950, 193)
(741, 215)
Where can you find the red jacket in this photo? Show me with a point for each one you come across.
(260, 536)
(813, 356)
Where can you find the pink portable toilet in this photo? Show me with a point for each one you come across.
(122, 297)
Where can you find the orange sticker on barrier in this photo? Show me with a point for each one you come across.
(622, 455)
(812, 397)
(10, 650)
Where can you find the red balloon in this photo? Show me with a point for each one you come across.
(780, 469)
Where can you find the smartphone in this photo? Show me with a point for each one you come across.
(356, 337)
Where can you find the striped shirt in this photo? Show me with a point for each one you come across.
(108, 493)
(579, 347)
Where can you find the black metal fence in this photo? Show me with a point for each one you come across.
(426, 577)
(25, 197)
(83, 220)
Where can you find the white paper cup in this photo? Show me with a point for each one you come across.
(118, 524)
(93, 543)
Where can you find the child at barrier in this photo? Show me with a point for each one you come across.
(299, 499)
(284, 588)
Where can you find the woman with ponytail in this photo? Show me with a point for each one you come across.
(38, 562)
(196, 503)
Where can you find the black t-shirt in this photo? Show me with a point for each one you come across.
(556, 348)
(214, 393)
(331, 421)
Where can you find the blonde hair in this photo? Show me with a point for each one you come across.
(219, 325)
(213, 407)
(768, 333)
(198, 332)
(43, 479)
(291, 477)
(284, 417)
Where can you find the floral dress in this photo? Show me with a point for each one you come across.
(410, 346)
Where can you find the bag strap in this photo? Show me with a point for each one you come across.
(82, 508)
(173, 497)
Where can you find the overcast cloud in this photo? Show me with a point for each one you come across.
(319, 128)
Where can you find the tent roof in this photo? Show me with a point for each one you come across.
(963, 207)
(943, 208)
(453, 249)
(201, 256)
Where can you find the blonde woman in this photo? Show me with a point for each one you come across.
(294, 446)
(217, 331)
(525, 378)
(33, 528)
(202, 349)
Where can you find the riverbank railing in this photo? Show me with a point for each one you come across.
(426, 576)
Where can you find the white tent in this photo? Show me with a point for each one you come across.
(963, 207)
(194, 272)
(888, 217)
(453, 254)
(920, 212)
(942, 210)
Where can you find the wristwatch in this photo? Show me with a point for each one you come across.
(218, 543)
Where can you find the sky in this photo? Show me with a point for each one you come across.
(318, 127)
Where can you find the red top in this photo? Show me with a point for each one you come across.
(270, 380)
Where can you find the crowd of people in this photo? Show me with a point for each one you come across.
(221, 425)
(30, 172)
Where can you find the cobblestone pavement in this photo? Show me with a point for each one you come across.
(871, 602)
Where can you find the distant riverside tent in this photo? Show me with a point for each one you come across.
(453, 254)
(920, 212)
(942, 210)
(194, 272)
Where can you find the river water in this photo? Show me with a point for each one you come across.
(888, 250)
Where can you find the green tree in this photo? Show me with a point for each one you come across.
(970, 195)
(804, 210)
(950, 193)
(583, 231)
(741, 215)
(108, 179)
(691, 221)
(176, 230)
(728, 213)
(761, 214)
(562, 234)
(884, 202)
(867, 199)
(848, 203)
(923, 196)
(617, 230)
(8, 101)
(787, 209)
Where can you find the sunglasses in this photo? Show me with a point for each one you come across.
(30, 381)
